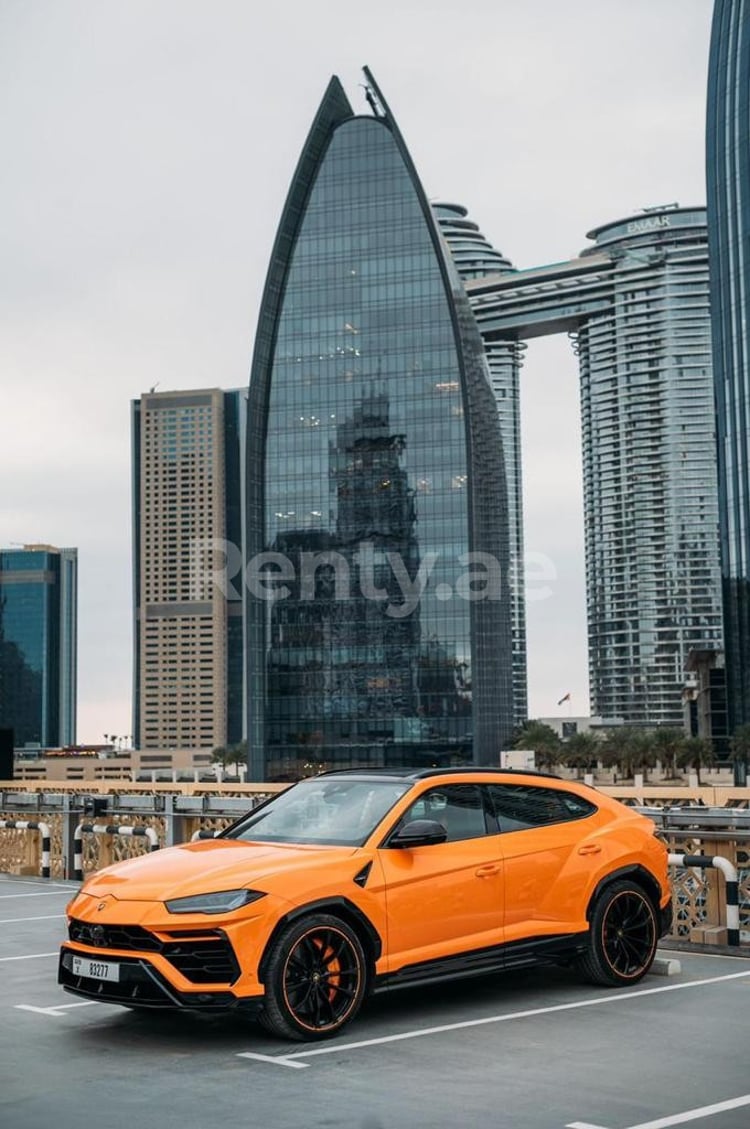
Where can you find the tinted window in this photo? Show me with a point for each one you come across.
(518, 806)
(458, 807)
(325, 810)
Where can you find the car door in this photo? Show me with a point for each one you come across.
(545, 847)
(445, 898)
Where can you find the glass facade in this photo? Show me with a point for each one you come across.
(649, 468)
(728, 184)
(475, 258)
(636, 305)
(374, 467)
(38, 616)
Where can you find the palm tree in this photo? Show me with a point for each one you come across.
(629, 750)
(228, 755)
(543, 740)
(740, 746)
(237, 755)
(580, 750)
(219, 755)
(645, 751)
(697, 753)
(667, 744)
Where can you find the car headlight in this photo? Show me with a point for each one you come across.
(223, 902)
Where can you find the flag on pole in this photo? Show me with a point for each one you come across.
(565, 699)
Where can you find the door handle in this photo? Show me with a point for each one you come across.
(488, 870)
(589, 849)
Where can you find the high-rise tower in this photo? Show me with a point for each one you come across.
(188, 451)
(636, 306)
(475, 257)
(649, 478)
(728, 184)
(375, 469)
(38, 644)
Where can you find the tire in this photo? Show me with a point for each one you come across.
(622, 936)
(316, 978)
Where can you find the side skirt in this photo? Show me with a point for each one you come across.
(558, 949)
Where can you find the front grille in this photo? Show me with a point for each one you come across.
(203, 957)
(204, 962)
(126, 938)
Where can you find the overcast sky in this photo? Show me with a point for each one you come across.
(146, 149)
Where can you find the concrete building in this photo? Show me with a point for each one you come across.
(567, 727)
(188, 453)
(38, 644)
(704, 700)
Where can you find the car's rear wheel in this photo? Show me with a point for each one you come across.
(622, 938)
(316, 976)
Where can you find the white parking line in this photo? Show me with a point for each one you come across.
(59, 1009)
(676, 1118)
(39, 894)
(31, 956)
(275, 1060)
(46, 881)
(44, 917)
(613, 997)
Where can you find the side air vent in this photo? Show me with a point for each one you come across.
(363, 875)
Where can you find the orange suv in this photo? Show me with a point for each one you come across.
(357, 881)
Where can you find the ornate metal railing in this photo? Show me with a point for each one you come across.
(693, 821)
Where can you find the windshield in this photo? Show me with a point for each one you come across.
(325, 810)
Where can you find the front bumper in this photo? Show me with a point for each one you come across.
(143, 985)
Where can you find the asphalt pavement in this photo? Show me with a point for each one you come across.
(523, 1050)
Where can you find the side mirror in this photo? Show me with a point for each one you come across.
(418, 833)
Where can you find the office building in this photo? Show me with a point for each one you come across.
(188, 475)
(704, 700)
(38, 644)
(728, 184)
(374, 467)
(636, 306)
(475, 257)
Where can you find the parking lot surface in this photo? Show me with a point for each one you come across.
(529, 1050)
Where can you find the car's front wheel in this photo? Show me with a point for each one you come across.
(622, 937)
(316, 976)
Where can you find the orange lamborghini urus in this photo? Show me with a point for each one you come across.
(353, 882)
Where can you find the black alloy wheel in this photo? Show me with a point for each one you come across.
(315, 980)
(622, 936)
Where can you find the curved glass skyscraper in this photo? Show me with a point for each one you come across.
(378, 607)
(728, 184)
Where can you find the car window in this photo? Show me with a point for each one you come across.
(520, 806)
(458, 807)
(333, 810)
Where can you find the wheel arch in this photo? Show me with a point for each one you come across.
(635, 873)
(340, 907)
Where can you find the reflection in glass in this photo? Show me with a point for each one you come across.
(374, 464)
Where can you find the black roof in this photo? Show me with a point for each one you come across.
(426, 773)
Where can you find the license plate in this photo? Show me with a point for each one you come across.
(95, 969)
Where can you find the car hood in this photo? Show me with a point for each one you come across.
(206, 866)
